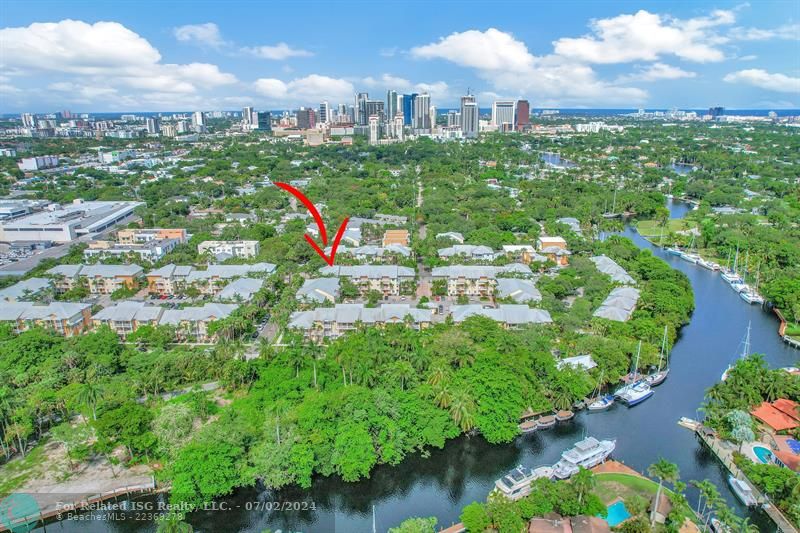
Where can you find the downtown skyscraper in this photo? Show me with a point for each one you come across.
(470, 116)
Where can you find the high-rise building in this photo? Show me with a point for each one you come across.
(396, 130)
(716, 112)
(247, 115)
(375, 107)
(391, 104)
(198, 121)
(374, 129)
(421, 112)
(66, 114)
(523, 115)
(306, 118)
(264, 121)
(182, 126)
(408, 107)
(153, 125)
(28, 120)
(169, 130)
(453, 118)
(470, 116)
(361, 116)
(324, 113)
(503, 114)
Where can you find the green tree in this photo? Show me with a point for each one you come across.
(664, 471)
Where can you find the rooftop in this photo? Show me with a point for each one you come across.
(608, 266)
(512, 314)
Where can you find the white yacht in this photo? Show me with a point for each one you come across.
(586, 453)
(517, 483)
(742, 491)
(745, 352)
(751, 296)
(635, 393)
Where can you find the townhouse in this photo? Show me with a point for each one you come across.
(319, 290)
(171, 280)
(510, 316)
(373, 253)
(469, 251)
(226, 249)
(476, 280)
(100, 279)
(555, 249)
(126, 317)
(333, 322)
(385, 279)
(64, 318)
(25, 289)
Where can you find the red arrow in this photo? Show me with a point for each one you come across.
(320, 224)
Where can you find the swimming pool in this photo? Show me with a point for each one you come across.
(764, 454)
(617, 513)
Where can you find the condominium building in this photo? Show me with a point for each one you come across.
(63, 318)
(319, 290)
(332, 322)
(126, 317)
(25, 289)
(150, 251)
(476, 252)
(476, 280)
(191, 323)
(227, 249)
(510, 316)
(385, 279)
(141, 236)
(555, 249)
(99, 279)
(171, 279)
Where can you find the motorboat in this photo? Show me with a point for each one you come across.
(601, 403)
(751, 296)
(635, 393)
(586, 453)
(708, 265)
(742, 490)
(674, 251)
(730, 277)
(691, 258)
(516, 484)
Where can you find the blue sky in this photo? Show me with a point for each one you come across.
(168, 55)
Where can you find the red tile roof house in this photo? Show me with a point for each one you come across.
(780, 415)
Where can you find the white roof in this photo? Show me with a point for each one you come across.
(619, 305)
(319, 289)
(579, 361)
(368, 271)
(479, 271)
(352, 313)
(129, 310)
(31, 311)
(19, 290)
(521, 290)
(470, 250)
(209, 311)
(608, 266)
(244, 288)
(96, 271)
(512, 314)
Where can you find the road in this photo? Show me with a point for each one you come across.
(424, 285)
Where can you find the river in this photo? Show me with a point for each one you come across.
(465, 470)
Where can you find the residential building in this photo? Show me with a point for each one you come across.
(421, 118)
(319, 290)
(333, 322)
(476, 252)
(99, 279)
(523, 116)
(240, 290)
(385, 279)
(391, 103)
(555, 249)
(171, 279)
(373, 253)
(573, 223)
(141, 236)
(396, 236)
(149, 251)
(608, 266)
(374, 129)
(240, 249)
(191, 323)
(64, 318)
(115, 156)
(511, 316)
(619, 305)
(24, 290)
(521, 291)
(198, 121)
(29, 164)
(324, 112)
(360, 108)
(408, 108)
(263, 121)
(153, 125)
(375, 108)
(452, 235)
(470, 116)
(247, 115)
(476, 280)
(168, 280)
(524, 253)
(127, 316)
(306, 118)
(66, 223)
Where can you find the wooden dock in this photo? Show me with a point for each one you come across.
(725, 454)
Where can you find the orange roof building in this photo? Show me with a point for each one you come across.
(395, 236)
(776, 417)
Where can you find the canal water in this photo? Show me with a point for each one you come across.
(464, 471)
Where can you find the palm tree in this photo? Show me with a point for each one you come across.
(584, 481)
(439, 372)
(442, 394)
(403, 371)
(709, 495)
(89, 394)
(664, 471)
(462, 408)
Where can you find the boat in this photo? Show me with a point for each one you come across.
(546, 422)
(745, 352)
(528, 426)
(719, 527)
(586, 453)
(657, 378)
(742, 491)
(689, 256)
(674, 251)
(517, 483)
(563, 416)
(751, 296)
(601, 403)
(730, 277)
(708, 265)
(637, 390)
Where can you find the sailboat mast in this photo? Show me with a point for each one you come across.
(746, 348)
(636, 364)
(663, 349)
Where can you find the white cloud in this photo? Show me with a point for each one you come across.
(505, 63)
(103, 54)
(646, 36)
(750, 57)
(655, 72)
(388, 52)
(765, 80)
(204, 34)
(304, 91)
(787, 31)
(278, 52)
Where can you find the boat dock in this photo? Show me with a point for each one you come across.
(724, 453)
(455, 528)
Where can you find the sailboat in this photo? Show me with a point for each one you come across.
(750, 294)
(657, 378)
(731, 277)
(638, 390)
(600, 402)
(688, 255)
(745, 352)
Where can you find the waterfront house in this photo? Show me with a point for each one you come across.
(780, 416)
(619, 305)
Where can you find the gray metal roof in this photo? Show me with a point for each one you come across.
(209, 311)
(19, 290)
(452, 235)
(319, 289)
(372, 251)
(619, 305)
(368, 271)
(512, 314)
(230, 271)
(521, 290)
(608, 266)
(95, 271)
(172, 271)
(479, 271)
(128, 311)
(352, 313)
(469, 250)
(31, 311)
(244, 288)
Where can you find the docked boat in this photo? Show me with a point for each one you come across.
(708, 265)
(742, 491)
(674, 251)
(563, 416)
(601, 403)
(745, 352)
(719, 527)
(546, 422)
(730, 277)
(635, 393)
(691, 258)
(751, 296)
(528, 426)
(586, 453)
(517, 483)
(657, 378)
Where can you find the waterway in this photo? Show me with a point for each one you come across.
(555, 160)
(465, 470)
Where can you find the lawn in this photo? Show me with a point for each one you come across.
(17, 471)
(652, 228)
(611, 486)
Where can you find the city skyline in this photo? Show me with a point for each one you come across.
(116, 58)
